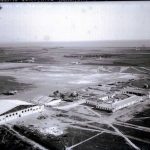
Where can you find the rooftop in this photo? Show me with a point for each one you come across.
(125, 101)
(17, 108)
(7, 105)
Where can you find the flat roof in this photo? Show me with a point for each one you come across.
(139, 90)
(17, 108)
(8, 104)
(42, 99)
(125, 101)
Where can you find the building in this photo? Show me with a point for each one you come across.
(106, 97)
(54, 102)
(91, 102)
(127, 102)
(135, 91)
(105, 106)
(41, 100)
(114, 105)
(13, 109)
(46, 101)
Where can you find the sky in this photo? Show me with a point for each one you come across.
(93, 21)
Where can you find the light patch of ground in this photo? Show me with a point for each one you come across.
(47, 78)
(43, 121)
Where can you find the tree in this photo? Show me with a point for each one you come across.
(62, 96)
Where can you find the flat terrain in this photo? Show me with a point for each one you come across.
(35, 71)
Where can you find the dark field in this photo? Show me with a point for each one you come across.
(8, 83)
(95, 56)
(10, 140)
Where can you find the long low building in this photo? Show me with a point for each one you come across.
(114, 106)
(127, 102)
(135, 91)
(41, 100)
(13, 109)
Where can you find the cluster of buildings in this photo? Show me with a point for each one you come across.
(120, 99)
(13, 109)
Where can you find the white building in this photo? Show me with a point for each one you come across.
(54, 102)
(134, 91)
(46, 101)
(13, 109)
(106, 97)
(41, 100)
(116, 105)
(127, 102)
(91, 102)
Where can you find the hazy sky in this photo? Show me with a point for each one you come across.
(74, 21)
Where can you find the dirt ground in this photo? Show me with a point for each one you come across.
(52, 71)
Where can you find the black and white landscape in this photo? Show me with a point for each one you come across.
(75, 95)
(79, 71)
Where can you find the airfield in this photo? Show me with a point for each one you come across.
(35, 71)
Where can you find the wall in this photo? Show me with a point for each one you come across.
(24, 112)
(138, 99)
